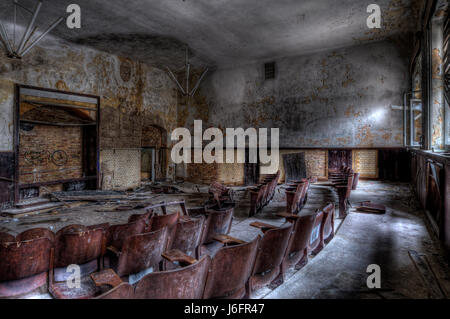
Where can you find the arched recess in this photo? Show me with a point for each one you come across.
(154, 152)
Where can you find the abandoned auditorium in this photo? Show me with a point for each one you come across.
(196, 150)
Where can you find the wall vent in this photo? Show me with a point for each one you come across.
(269, 70)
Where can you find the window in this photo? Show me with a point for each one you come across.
(446, 64)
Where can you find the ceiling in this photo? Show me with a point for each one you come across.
(222, 32)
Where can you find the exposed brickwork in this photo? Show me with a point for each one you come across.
(49, 153)
(365, 162)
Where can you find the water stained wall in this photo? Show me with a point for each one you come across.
(132, 95)
(340, 98)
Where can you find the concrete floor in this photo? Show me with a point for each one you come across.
(339, 270)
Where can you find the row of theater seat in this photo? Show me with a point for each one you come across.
(238, 268)
(38, 256)
(263, 193)
(161, 256)
(344, 180)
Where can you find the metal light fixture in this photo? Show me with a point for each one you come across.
(185, 91)
(26, 43)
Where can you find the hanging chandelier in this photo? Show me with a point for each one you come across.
(27, 42)
(185, 91)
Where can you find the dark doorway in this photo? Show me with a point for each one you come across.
(148, 163)
(339, 158)
(251, 170)
(6, 179)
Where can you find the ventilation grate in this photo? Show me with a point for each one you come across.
(269, 70)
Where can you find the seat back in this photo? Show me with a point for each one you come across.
(141, 251)
(271, 249)
(145, 218)
(170, 221)
(122, 291)
(349, 185)
(299, 197)
(355, 180)
(181, 283)
(36, 233)
(217, 222)
(117, 234)
(301, 234)
(24, 257)
(230, 270)
(161, 221)
(188, 235)
(328, 227)
(316, 241)
(77, 244)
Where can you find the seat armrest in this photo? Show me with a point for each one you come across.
(176, 255)
(106, 277)
(227, 240)
(263, 226)
(289, 217)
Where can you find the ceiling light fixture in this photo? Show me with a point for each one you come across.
(26, 43)
(185, 91)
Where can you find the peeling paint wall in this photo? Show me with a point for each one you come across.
(339, 98)
(132, 94)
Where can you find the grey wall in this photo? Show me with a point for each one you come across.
(339, 98)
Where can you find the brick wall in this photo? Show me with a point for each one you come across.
(49, 153)
(365, 162)
(316, 163)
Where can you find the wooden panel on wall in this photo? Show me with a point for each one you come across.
(339, 158)
(394, 165)
(7, 173)
(365, 162)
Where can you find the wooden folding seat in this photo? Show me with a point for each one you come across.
(186, 282)
(297, 251)
(328, 225)
(263, 193)
(355, 180)
(231, 268)
(164, 219)
(296, 199)
(117, 234)
(139, 252)
(218, 221)
(76, 245)
(24, 261)
(145, 218)
(316, 242)
(170, 221)
(257, 196)
(271, 251)
(188, 235)
(220, 194)
(344, 190)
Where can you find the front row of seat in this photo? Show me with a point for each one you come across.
(238, 268)
(38, 256)
(152, 256)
